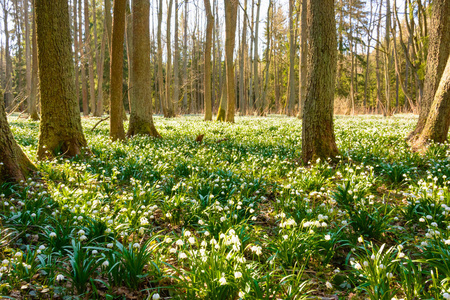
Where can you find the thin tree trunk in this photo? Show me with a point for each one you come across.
(84, 91)
(207, 66)
(303, 57)
(27, 52)
(100, 68)
(231, 7)
(256, 63)
(34, 71)
(90, 54)
(291, 80)
(185, 59)
(8, 68)
(169, 101)
(176, 63)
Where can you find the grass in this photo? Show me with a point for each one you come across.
(235, 217)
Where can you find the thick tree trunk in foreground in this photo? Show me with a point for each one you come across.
(231, 7)
(60, 130)
(141, 120)
(438, 121)
(116, 131)
(318, 139)
(14, 164)
(207, 66)
(438, 52)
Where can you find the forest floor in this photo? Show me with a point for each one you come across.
(235, 216)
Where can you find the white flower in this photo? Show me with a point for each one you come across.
(81, 232)
(358, 266)
(327, 237)
(83, 238)
(136, 245)
(5, 262)
(59, 277)
(360, 239)
(191, 240)
(156, 296)
(328, 285)
(421, 220)
(237, 274)
(180, 243)
(110, 245)
(182, 255)
(446, 296)
(105, 263)
(52, 234)
(222, 281)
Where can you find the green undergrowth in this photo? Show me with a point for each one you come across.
(236, 216)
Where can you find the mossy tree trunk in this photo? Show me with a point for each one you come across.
(438, 52)
(141, 120)
(231, 7)
(438, 121)
(318, 139)
(14, 164)
(207, 66)
(116, 131)
(60, 129)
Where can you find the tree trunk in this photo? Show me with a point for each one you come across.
(207, 66)
(14, 164)
(176, 63)
(129, 46)
(34, 71)
(8, 68)
(169, 101)
(90, 54)
(27, 53)
(161, 98)
(60, 130)
(377, 59)
(231, 7)
(438, 121)
(222, 105)
(318, 139)
(259, 107)
(438, 52)
(84, 92)
(291, 83)
(185, 59)
(303, 57)
(116, 104)
(100, 69)
(141, 120)
(387, 60)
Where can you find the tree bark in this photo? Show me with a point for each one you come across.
(34, 71)
(141, 120)
(185, 59)
(259, 107)
(27, 52)
(8, 96)
(116, 104)
(90, 54)
(438, 52)
(291, 83)
(14, 164)
(207, 66)
(176, 63)
(231, 7)
(318, 139)
(303, 57)
(438, 121)
(169, 102)
(84, 91)
(60, 131)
